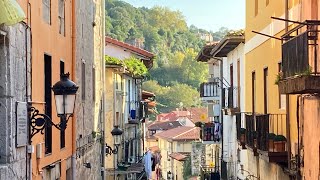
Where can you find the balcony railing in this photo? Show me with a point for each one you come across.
(271, 130)
(300, 60)
(241, 129)
(231, 100)
(209, 89)
(267, 134)
(250, 130)
(211, 133)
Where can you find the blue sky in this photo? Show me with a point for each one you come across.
(205, 14)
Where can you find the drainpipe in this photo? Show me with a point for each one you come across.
(287, 95)
(298, 124)
(103, 118)
(74, 126)
(286, 14)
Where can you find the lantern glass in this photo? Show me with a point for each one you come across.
(117, 139)
(65, 103)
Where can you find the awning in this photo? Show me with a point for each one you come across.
(10, 12)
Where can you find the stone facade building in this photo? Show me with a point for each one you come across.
(89, 108)
(14, 87)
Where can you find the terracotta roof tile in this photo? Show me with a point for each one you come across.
(154, 149)
(164, 125)
(180, 133)
(179, 156)
(199, 114)
(129, 47)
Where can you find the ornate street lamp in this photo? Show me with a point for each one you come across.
(65, 95)
(116, 134)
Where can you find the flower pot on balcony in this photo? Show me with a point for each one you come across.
(279, 143)
(242, 138)
(271, 137)
(255, 143)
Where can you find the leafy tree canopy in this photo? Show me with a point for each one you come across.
(165, 33)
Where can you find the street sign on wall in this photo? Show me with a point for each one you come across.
(22, 124)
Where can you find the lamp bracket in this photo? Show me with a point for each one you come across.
(110, 151)
(38, 122)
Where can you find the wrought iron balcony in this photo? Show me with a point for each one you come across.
(300, 62)
(251, 134)
(231, 102)
(241, 130)
(211, 133)
(209, 90)
(266, 134)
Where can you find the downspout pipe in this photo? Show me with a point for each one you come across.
(287, 95)
(73, 66)
(103, 117)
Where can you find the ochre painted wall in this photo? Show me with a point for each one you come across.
(310, 115)
(47, 40)
(262, 52)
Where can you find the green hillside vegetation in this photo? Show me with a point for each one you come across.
(175, 76)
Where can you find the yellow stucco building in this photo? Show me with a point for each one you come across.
(175, 145)
(269, 112)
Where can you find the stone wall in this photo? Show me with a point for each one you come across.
(89, 102)
(259, 167)
(197, 153)
(14, 86)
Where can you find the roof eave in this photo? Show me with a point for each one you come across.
(224, 42)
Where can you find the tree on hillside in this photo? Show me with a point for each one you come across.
(175, 76)
(194, 72)
(180, 93)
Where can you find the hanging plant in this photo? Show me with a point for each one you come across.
(135, 66)
(112, 61)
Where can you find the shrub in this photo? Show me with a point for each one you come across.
(112, 60)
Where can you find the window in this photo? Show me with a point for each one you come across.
(253, 86)
(256, 6)
(93, 84)
(231, 75)
(48, 101)
(69, 174)
(83, 81)
(62, 132)
(117, 118)
(61, 17)
(46, 11)
(129, 94)
(265, 89)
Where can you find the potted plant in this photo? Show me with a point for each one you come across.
(271, 141)
(255, 143)
(254, 136)
(279, 77)
(242, 135)
(279, 143)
